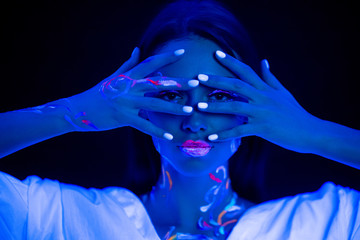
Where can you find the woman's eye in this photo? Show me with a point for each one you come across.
(170, 96)
(220, 95)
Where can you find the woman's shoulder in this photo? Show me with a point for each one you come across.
(333, 209)
(64, 207)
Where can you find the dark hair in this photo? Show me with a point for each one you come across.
(211, 20)
(205, 18)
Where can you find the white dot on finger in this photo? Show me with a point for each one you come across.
(220, 54)
(203, 77)
(213, 137)
(202, 105)
(187, 109)
(179, 52)
(193, 83)
(168, 136)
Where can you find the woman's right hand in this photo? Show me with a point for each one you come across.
(117, 100)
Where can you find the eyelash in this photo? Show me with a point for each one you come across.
(229, 95)
(165, 94)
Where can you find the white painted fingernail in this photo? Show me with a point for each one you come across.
(193, 83)
(203, 77)
(220, 54)
(168, 136)
(213, 137)
(187, 109)
(267, 64)
(179, 52)
(202, 105)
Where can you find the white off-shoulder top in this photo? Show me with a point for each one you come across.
(38, 209)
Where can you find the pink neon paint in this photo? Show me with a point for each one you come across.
(206, 224)
(212, 176)
(152, 81)
(161, 82)
(90, 124)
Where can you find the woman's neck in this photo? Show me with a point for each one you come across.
(194, 204)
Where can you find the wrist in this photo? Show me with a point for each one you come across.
(58, 111)
(337, 142)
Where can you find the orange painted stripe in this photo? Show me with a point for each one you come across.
(170, 180)
(219, 220)
(228, 222)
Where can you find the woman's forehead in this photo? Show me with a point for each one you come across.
(199, 58)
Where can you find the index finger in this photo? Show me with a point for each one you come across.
(153, 63)
(162, 83)
(231, 84)
(242, 70)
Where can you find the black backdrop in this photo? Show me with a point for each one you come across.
(55, 49)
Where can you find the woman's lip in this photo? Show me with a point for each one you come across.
(196, 144)
(196, 148)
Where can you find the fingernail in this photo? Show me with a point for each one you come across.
(202, 105)
(203, 77)
(179, 52)
(220, 54)
(168, 136)
(133, 52)
(193, 83)
(187, 109)
(267, 64)
(213, 137)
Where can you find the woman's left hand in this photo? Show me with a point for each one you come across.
(273, 113)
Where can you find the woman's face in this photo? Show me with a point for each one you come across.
(190, 152)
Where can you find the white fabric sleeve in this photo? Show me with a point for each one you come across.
(32, 204)
(13, 207)
(330, 213)
(46, 209)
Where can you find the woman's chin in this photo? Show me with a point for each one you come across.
(194, 166)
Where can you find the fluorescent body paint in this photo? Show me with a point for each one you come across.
(212, 176)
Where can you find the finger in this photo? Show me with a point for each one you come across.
(114, 87)
(268, 77)
(236, 132)
(133, 60)
(158, 105)
(233, 107)
(162, 83)
(232, 84)
(243, 71)
(149, 128)
(153, 63)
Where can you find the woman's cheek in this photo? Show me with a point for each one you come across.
(165, 121)
(225, 122)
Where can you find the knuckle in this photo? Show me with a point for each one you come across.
(237, 106)
(239, 85)
(246, 67)
(152, 102)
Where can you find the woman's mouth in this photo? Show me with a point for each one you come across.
(197, 148)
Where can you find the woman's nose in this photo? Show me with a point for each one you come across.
(195, 122)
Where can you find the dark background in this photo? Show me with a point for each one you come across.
(55, 49)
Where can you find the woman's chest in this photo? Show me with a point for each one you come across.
(178, 232)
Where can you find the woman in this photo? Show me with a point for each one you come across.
(194, 85)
